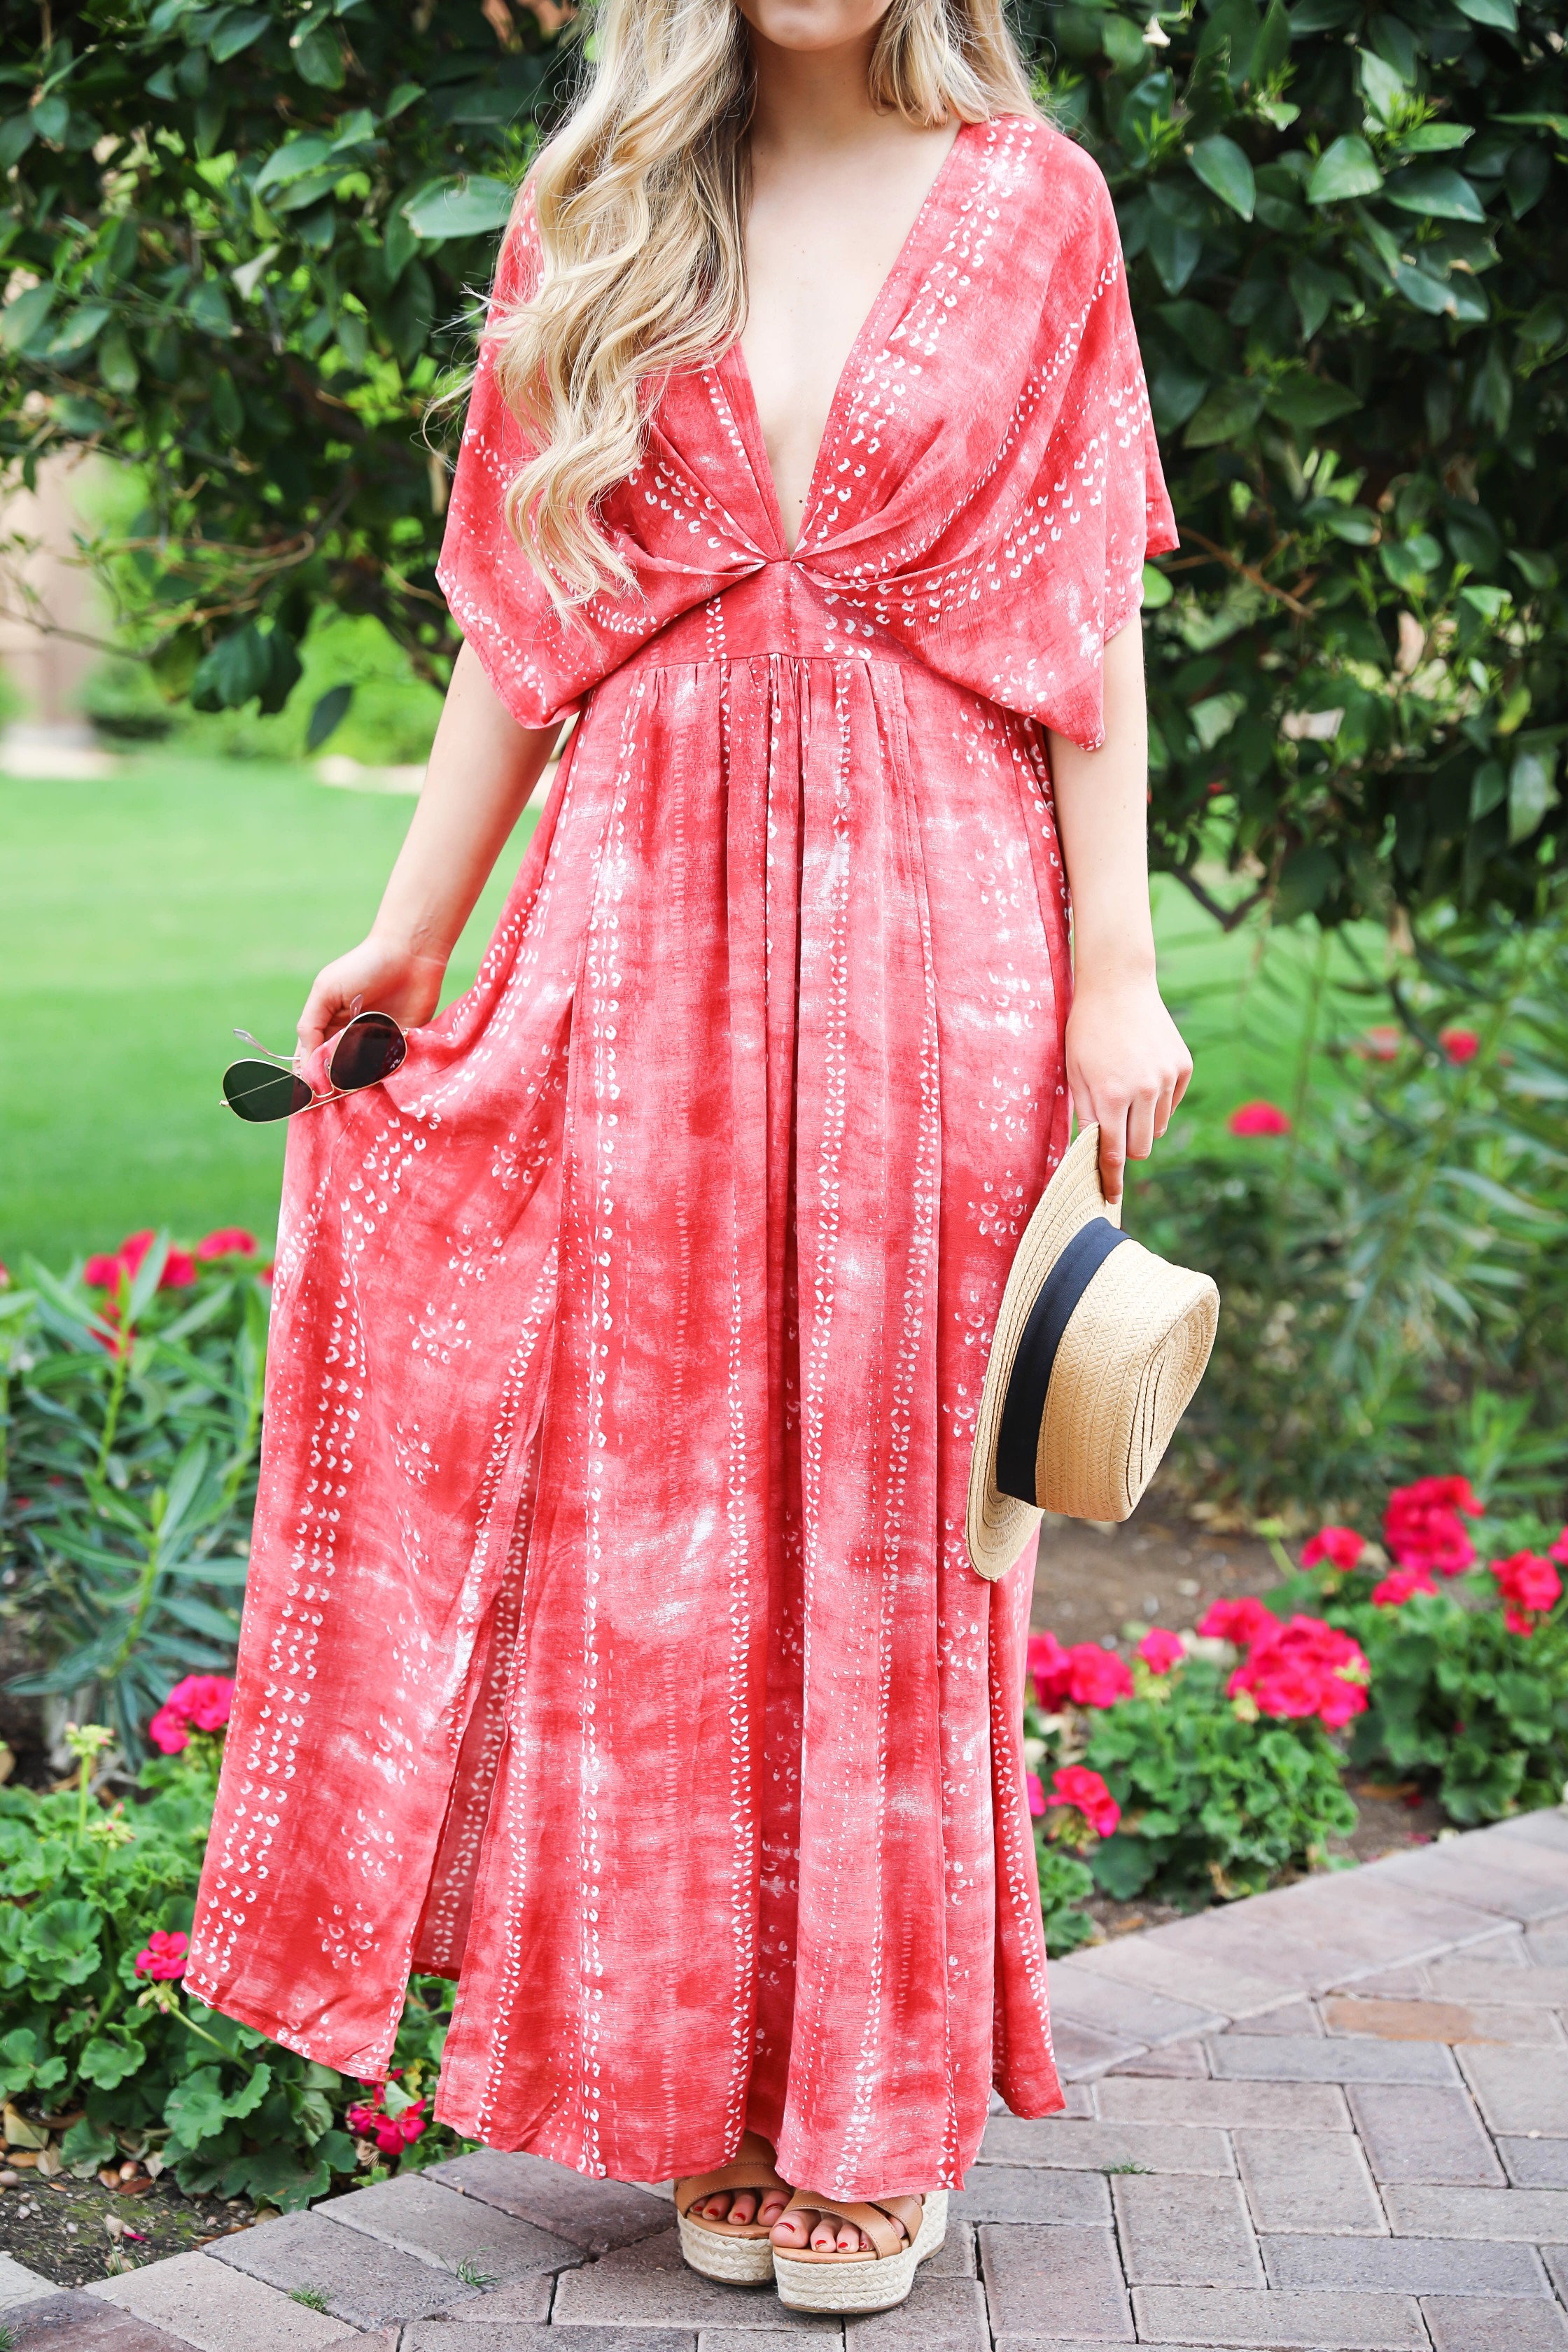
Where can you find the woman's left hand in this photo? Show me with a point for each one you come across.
(1127, 1067)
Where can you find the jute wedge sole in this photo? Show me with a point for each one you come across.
(858, 2283)
(739, 2253)
(726, 2253)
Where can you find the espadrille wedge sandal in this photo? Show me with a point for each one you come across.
(740, 2254)
(903, 2231)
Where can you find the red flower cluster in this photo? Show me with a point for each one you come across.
(1086, 1792)
(1258, 1118)
(1238, 1622)
(1341, 1547)
(1380, 1044)
(228, 1240)
(1299, 1669)
(1422, 1525)
(1460, 1044)
(368, 2119)
(163, 1956)
(1304, 1668)
(1528, 1585)
(1161, 1650)
(199, 1703)
(1395, 1589)
(104, 1273)
(1085, 1676)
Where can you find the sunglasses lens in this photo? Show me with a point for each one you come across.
(259, 1092)
(370, 1049)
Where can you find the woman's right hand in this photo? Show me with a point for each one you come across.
(384, 976)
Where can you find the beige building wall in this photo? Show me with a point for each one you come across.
(47, 667)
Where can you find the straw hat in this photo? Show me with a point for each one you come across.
(1098, 1350)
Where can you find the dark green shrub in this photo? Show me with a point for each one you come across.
(253, 231)
(130, 1423)
(1214, 1803)
(85, 1886)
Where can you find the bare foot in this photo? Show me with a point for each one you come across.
(741, 2205)
(823, 2235)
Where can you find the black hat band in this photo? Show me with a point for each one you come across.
(1024, 1407)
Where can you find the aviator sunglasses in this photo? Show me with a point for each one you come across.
(368, 1050)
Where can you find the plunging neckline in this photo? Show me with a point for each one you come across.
(735, 360)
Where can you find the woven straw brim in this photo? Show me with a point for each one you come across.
(996, 1525)
(1129, 1362)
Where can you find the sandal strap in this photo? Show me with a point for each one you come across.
(748, 2171)
(878, 2219)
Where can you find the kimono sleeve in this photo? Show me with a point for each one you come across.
(1097, 504)
(493, 593)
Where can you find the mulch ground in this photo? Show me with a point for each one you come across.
(58, 2227)
(1160, 1567)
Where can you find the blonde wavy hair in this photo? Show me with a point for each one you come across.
(640, 200)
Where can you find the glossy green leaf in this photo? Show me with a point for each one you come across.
(239, 28)
(460, 207)
(1231, 411)
(1223, 167)
(1500, 15)
(21, 320)
(1438, 192)
(1345, 170)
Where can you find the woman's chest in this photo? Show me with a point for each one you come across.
(820, 251)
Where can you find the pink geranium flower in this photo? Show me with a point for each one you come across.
(1049, 1669)
(1559, 1550)
(1258, 1118)
(1528, 1584)
(1422, 1524)
(1161, 1650)
(1460, 1044)
(1238, 1622)
(204, 1700)
(1304, 1668)
(103, 1273)
(199, 1703)
(1097, 1676)
(1035, 1793)
(163, 1956)
(1341, 1547)
(1380, 1044)
(1395, 1589)
(368, 2119)
(228, 1240)
(1086, 1792)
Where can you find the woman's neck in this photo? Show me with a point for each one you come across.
(815, 100)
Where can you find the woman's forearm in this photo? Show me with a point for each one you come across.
(1127, 1065)
(483, 767)
(1102, 804)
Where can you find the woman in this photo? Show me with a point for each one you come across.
(611, 1644)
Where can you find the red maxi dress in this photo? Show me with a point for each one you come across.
(611, 1644)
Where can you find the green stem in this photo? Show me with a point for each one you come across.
(191, 2027)
(146, 1589)
(118, 1378)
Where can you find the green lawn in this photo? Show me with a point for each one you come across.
(144, 918)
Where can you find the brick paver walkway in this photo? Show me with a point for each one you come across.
(1334, 2118)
